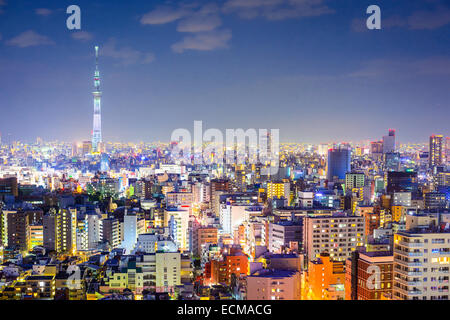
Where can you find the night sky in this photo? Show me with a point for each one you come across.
(308, 67)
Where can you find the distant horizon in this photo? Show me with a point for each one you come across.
(167, 141)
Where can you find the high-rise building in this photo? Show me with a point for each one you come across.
(66, 231)
(401, 182)
(421, 260)
(111, 231)
(17, 223)
(130, 230)
(338, 163)
(8, 186)
(436, 155)
(49, 224)
(97, 126)
(336, 235)
(389, 142)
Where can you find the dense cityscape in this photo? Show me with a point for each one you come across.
(125, 221)
(101, 220)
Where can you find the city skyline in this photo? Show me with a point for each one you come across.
(256, 68)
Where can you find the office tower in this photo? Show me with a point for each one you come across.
(389, 142)
(392, 161)
(401, 182)
(436, 154)
(282, 234)
(8, 186)
(336, 235)
(338, 163)
(97, 126)
(86, 147)
(376, 148)
(421, 260)
(274, 285)
(369, 275)
(325, 278)
(354, 180)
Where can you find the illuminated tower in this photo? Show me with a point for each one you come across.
(436, 156)
(97, 128)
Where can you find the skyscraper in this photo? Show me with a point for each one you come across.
(97, 127)
(338, 163)
(436, 150)
(389, 142)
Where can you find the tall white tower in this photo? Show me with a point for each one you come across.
(97, 127)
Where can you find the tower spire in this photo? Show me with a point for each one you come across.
(97, 125)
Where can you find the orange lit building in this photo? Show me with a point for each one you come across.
(325, 279)
(397, 213)
(235, 262)
(371, 221)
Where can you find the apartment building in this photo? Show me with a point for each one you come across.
(422, 260)
(337, 235)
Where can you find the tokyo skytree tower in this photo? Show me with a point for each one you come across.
(97, 127)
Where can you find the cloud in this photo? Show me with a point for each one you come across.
(82, 35)
(28, 39)
(276, 9)
(43, 12)
(162, 15)
(204, 41)
(199, 23)
(126, 55)
(203, 20)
